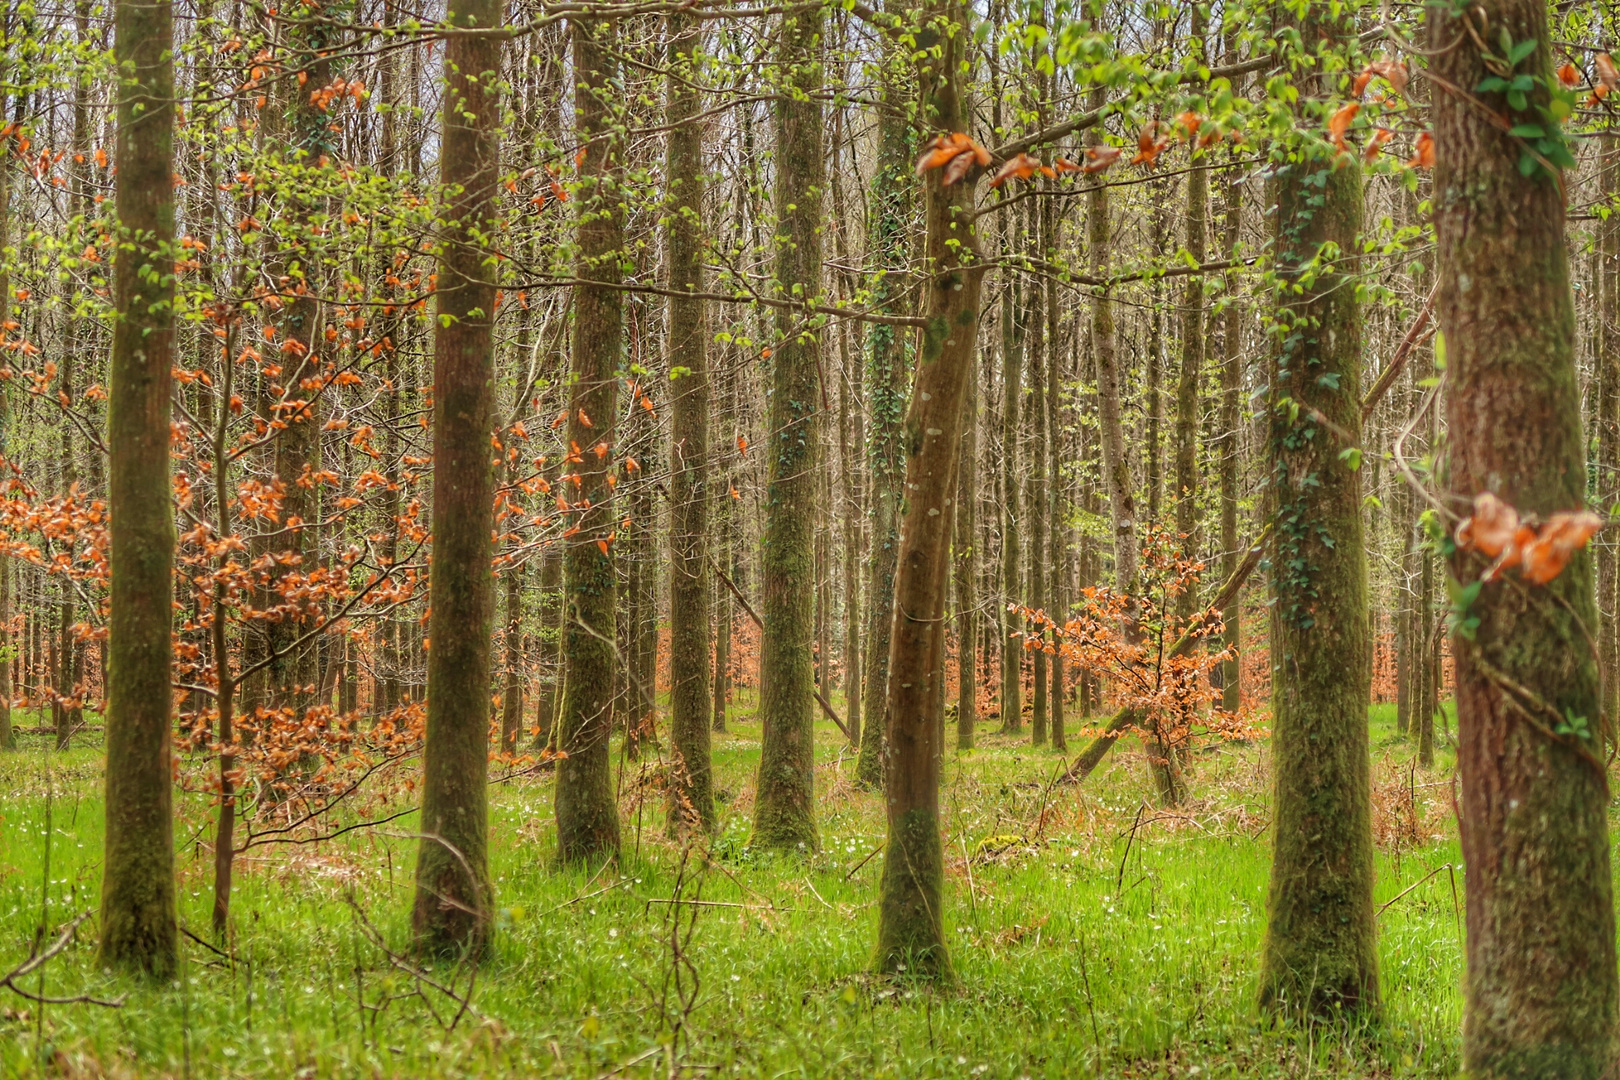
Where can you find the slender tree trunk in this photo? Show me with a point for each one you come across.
(966, 551)
(691, 791)
(1608, 424)
(138, 922)
(1231, 429)
(887, 382)
(512, 692)
(1012, 648)
(453, 890)
(1117, 480)
(1188, 398)
(784, 812)
(8, 736)
(1035, 476)
(1541, 983)
(1057, 530)
(911, 926)
(1320, 949)
(587, 816)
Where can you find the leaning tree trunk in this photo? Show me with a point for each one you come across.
(1541, 982)
(911, 925)
(691, 794)
(453, 891)
(138, 921)
(1320, 949)
(784, 813)
(587, 815)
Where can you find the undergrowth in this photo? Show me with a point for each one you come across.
(1093, 935)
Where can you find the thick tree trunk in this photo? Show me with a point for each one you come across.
(1320, 949)
(453, 890)
(138, 922)
(1608, 425)
(8, 736)
(1541, 974)
(587, 815)
(691, 791)
(784, 813)
(911, 926)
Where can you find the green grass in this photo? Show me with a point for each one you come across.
(1101, 938)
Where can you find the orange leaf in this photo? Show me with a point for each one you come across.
(1606, 72)
(101, 157)
(941, 150)
(1424, 157)
(1191, 122)
(1569, 75)
(1491, 528)
(1359, 87)
(584, 419)
(742, 444)
(603, 544)
(1391, 71)
(1562, 536)
(1064, 165)
(1020, 166)
(1376, 143)
(1101, 158)
(1149, 146)
(1339, 123)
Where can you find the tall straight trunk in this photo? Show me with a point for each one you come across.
(138, 920)
(550, 658)
(1231, 429)
(453, 890)
(1057, 531)
(1035, 490)
(1429, 702)
(1188, 398)
(887, 381)
(911, 925)
(1541, 984)
(512, 692)
(784, 812)
(851, 436)
(1406, 681)
(1116, 469)
(1320, 949)
(966, 558)
(8, 736)
(1608, 424)
(1012, 648)
(691, 790)
(587, 815)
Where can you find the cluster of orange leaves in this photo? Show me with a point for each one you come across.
(1393, 73)
(1608, 78)
(1126, 640)
(1497, 531)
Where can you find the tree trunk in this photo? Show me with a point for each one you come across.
(1012, 646)
(1231, 429)
(587, 815)
(512, 692)
(1320, 949)
(784, 813)
(691, 791)
(1035, 490)
(138, 921)
(967, 596)
(1541, 974)
(453, 890)
(911, 927)
(8, 736)
(887, 382)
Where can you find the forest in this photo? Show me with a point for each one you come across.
(824, 538)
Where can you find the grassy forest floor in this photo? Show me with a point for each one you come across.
(1099, 938)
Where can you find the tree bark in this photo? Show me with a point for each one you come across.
(691, 794)
(453, 890)
(587, 815)
(911, 929)
(1541, 974)
(138, 921)
(784, 813)
(1320, 948)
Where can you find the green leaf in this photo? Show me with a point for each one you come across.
(1440, 350)
(1528, 165)
(1351, 456)
(1528, 131)
(1521, 50)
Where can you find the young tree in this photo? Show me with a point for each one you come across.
(784, 814)
(453, 890)
(1320, 950)
(138, 922)
(911, 925)
(1541, 984)
(690, 788)
(587, 816)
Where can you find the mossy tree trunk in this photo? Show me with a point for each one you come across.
(784, 813)
(138, 921)
(587, 815)
(1320, 949)
(1541, 974)
(453, 891)
(911, 928)
(691, 795)
(887, 382)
